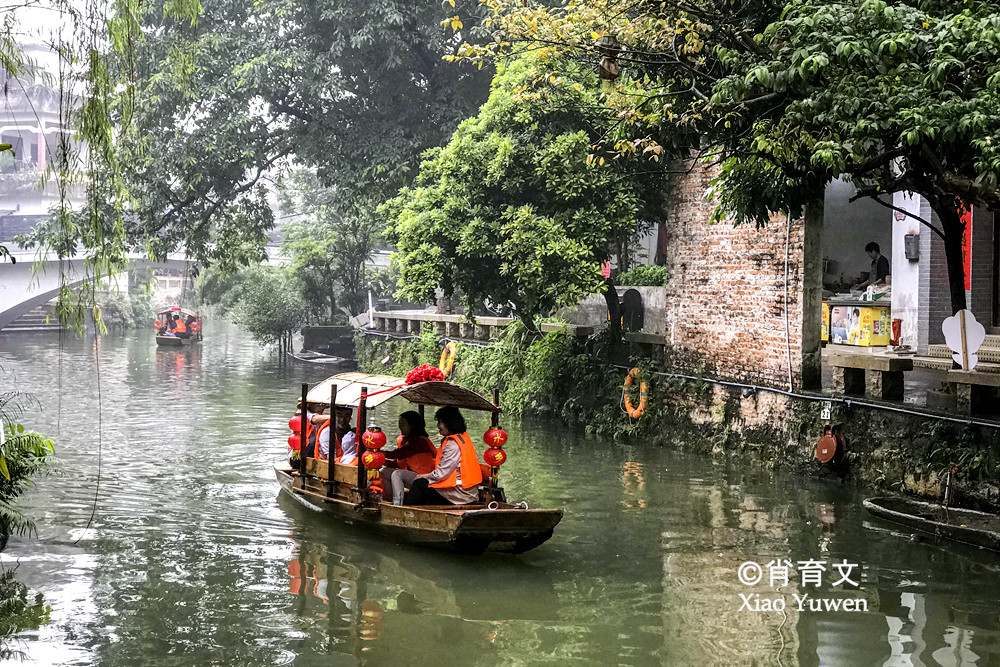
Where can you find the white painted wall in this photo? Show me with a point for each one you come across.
(848, 228)
(906, 273)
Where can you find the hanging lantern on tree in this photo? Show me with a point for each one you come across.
(494, 457)
(294, 441)
(495, 437)
(373, 438)
(373, 460)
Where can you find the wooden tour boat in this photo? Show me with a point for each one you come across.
(342, 490)
(165, 340)
(962, 525)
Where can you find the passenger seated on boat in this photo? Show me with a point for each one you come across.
(314, 413)
(414, 455)
(456, 476)
(180, 329)
(347, 450)
(342, 424)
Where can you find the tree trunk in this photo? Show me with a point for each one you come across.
(954, 232)
(614, 310)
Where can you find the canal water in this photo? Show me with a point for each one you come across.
(193, 558)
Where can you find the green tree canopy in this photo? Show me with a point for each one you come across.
(354, 90)
(331, 244)
(510, 212)
(892, 95)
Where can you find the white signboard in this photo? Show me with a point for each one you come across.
(964, 336)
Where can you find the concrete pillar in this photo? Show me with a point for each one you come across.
(885, 385)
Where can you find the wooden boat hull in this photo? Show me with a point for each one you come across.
(980, 529)
(174, 341)
(470, 529)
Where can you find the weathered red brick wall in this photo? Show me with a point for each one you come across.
(726, 290)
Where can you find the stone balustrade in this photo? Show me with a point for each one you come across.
(409, 323)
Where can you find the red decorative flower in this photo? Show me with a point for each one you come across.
(425, 373)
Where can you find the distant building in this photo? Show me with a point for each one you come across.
(32, 122)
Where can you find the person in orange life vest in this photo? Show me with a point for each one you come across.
(414, 456)
(180, 329)
(456, 476)
(341, 427)
(314, 413)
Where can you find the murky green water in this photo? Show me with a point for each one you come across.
(193, 558)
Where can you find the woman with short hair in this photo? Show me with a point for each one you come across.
(456, 476)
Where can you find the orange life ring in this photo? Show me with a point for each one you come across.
(447, 360)
(635, 412)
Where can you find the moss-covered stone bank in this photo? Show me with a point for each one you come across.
(551, 377)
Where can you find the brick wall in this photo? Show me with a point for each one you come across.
(726, 290)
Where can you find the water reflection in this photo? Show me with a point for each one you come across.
(20, 611)
(194, 558)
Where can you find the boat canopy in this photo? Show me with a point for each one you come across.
(177, 309)
(383, 387)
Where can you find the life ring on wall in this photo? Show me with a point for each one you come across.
(832, 445)
(447, 358)
(635, 412)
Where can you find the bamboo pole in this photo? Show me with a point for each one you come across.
(362, 410)
(303, 421)
(331, 430)
(495, 421)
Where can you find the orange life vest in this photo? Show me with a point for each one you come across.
(468, 464)
(181, 327)
(319, 432)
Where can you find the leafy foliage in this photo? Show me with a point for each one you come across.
(354, 90)
(18, 613)
(330, 247)
(266, 301)
(890, 95)
(510, 213)
(653, 276)
(23, 455)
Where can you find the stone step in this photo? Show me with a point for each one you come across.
(990, 354)
(944, 364)
(14, 328)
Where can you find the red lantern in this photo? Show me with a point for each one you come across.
(294, 442)
(399, 440)
(495, 437)
(295, 423)
(373, 438)
(494, 457)
(373, 460)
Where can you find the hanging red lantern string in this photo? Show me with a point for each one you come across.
(374, 438)
(295, 423)
(373, 460)
(495, 437)
(294, 441)
(494, 457)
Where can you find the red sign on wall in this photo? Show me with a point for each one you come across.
(967, 245)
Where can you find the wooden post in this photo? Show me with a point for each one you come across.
(362, 409)
(331, 430)
(303, 422)
(495, 421)
(965, 345)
